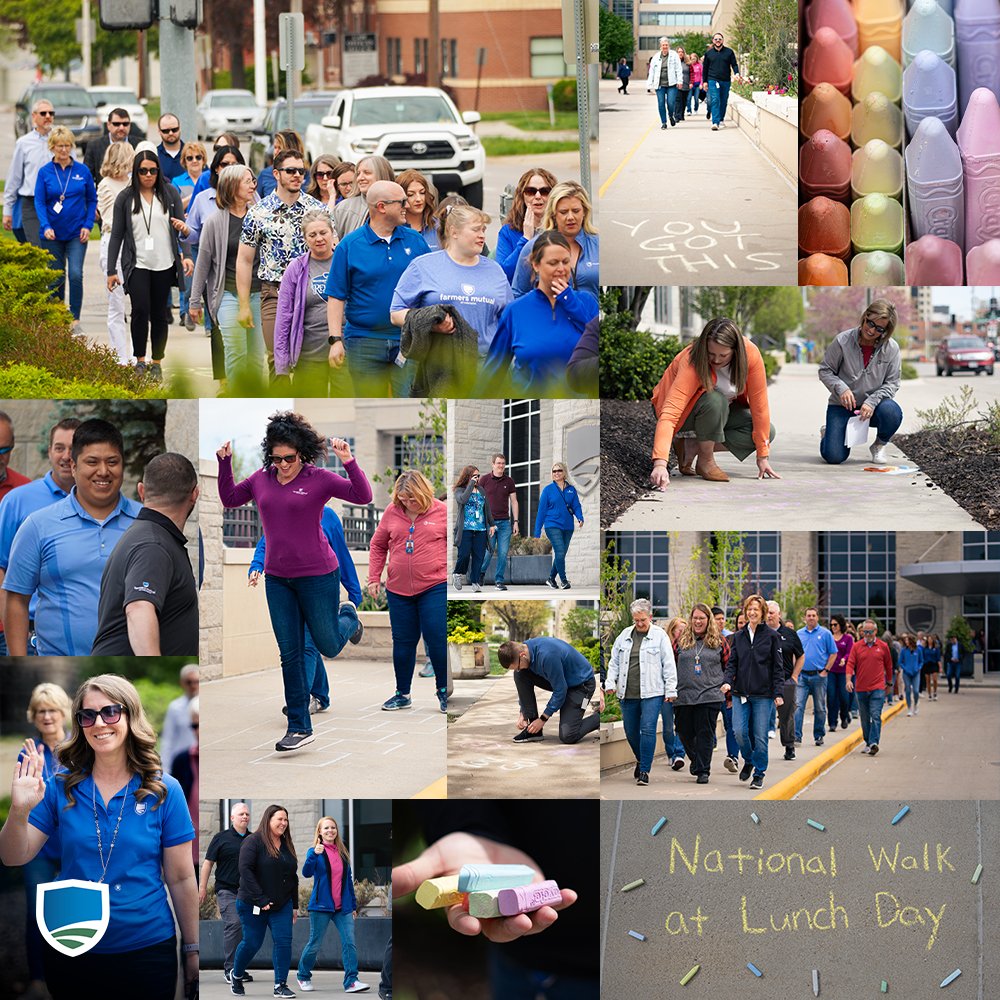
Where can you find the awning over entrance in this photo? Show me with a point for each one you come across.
(956, 579)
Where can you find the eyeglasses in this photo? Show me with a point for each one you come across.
(45, 114)
(322, 174)
(409, 541)
(146, 171)
(301, 171)
(86, 717)
(878, 329)
(117, 124)
(7, 450)
(196, 156)
(532, 191)
(283, 459)
(393, 201)
(169, 131)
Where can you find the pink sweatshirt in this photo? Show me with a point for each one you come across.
(408, 574)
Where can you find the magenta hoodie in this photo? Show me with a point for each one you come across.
(409, 575)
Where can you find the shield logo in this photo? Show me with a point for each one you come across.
(469, 289)
(582, 448)
(920, 617)
(140, 808)
(72, 915)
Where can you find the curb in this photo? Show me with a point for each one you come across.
(436, 790)
(789, 787)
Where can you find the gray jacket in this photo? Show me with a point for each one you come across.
(349, 215)
(462, 494)
(844, 368)
(446, 364)
(210, 268)
(657, 672)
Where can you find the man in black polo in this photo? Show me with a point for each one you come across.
(149, 600)
(224, 851)
(719, 67)
(792, 658)
(501, 494)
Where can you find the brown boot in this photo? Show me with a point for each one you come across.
(685, 457)
(712, 473)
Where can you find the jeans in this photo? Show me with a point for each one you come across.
(665, 103)
(572, 725)
(154, 966)
(29, 220)
(316, 679)
(732, 744)
(671, 741)
(3, 644)
(502, 538)
(117, 337)
(232, 929)
(254, 929)
(870, 714)
(36, 871)
(470, 555)
(811, 684)
(318, 379)
(639, 717)
(371, 362)
(886, 420)
(718, 99)
(749, 717)
(243, 348)
(510, 980)
(911, 688)
(560, 539)
(694, 95)
(67, 257)
(385, 982)
(953, 670)
(696, 728)
(293, 603)
(410, 617)
(319, 921)
(838, 701)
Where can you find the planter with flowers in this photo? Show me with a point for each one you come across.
(468, 654)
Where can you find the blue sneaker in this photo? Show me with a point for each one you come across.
(398, 701)
(443, 699)
(427, 670)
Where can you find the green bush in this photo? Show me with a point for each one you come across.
(771, 365)
(612, 709)
(21, 381)
(564, 95)
(909, 370)
(960, 629)
(632, 361)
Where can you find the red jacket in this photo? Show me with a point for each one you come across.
(872, 664)
(410, 574)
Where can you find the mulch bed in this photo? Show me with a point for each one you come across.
(964, 463)
(626, 455)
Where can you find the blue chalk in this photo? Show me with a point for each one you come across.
(902, 812)
(637, 935)
(950, 979)
(753, 968)
(659, 825)
(479, 877)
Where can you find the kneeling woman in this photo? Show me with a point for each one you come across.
(713, 397)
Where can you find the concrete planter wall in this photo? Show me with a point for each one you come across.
(771, 123)
(521, 569)
(468, 661)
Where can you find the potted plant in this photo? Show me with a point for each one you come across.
(468, 654)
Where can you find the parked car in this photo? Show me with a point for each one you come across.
(963, 353)
(73, 106)
(412, 127)
(107, 98)
(228, 111)
(308, 111)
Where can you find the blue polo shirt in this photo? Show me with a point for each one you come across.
(15, 509)
(561, 665)
(60, 552)
(364, 273)
(140, 914)
(818, 646)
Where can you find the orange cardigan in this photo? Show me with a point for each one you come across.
(679, 389)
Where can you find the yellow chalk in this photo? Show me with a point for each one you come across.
(438, 892)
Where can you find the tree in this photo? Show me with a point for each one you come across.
(696, 42)
(467, 613)
(616, 38)
(425, 446)
(766, 31)
(780, 314)
(632, 361)
(741, 303)
(523, 619)
(579, 624)
(794, 598)
(725, 582)
(831, 310)
(960, 629)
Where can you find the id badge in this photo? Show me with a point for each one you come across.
(72, 914)
(149, 244)
(57, 207)
(400, 361)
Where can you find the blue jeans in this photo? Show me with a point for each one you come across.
(469, 559)
(639, 717)
(886, 420)
(318, 923)
(410, 617)
(385, 982)
(665, 102)
(502, 538)
(694, 96)
(671, 741)
(243, 349)
(560, 539)
(870, 714)
(838, 701)
(911, 689)
(67, 256)
(254, 929)
(371, 362)
(732, 744)
(513, 981)
(3, 644)
(953, 671)
(811, 684)
(36, 871)
(316, 678)
(293, 603)
(750, 722)
(718, 99)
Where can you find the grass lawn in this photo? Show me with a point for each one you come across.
(500, 146)
(533, 121)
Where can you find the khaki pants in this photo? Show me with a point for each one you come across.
(268, 316)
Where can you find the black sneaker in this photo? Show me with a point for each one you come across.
(358, 633)
(746, 771)
(565, 585)
(282, 990)
(730, 764)
(245, 978)
(500, 586)
(550, 582)
(643, 778)
(789, 753)
(293, 741)
(798, 742)
(678, 764)
(236, 987)
(874, 749)
(702, 779)
(833, 729)
(525, 737)
(819, 742)
(758, 781)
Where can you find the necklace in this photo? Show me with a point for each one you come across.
(114, 836)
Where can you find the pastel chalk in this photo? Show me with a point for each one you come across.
(876, 117)
(979, 140)
(658, 826)
(835, 14)
(880, 22)
(977, 38)
(637, 935)
(484, 904)
(815, 825)
(902, 812)
(474, 877)
(826, 107)
(633, 885)
(878, 268)
(827, 59)
(822, 269)
(930, 90)
(755, 817)
(983, 263)
(977, 874)
(950, 978)
(815, 982)
(690, 975)
(438, 892)
(935, 183)
(877, 72)
(526, 898)
(753, 968)
(928, 28)
(885, 986)
(932, 260)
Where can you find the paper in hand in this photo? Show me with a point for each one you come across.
(856, 432)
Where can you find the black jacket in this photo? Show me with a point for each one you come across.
(755, 670)
(96, 149)
(123, 240)
(720, 64)
(447, 364)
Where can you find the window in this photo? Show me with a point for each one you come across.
(449, 57)
(522, 446)
(547, 58)
(675, 18)
(366, 827)
(647, 553)
(762, 553)
(983, 615)
(410, 451)
(330, 461)
(393, 56)
(663, 304)
(647, 43)
(979, 545)
(857, 576)
(623, 8)
(419, 55)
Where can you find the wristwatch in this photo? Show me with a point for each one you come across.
(334, 340)
(544, 717)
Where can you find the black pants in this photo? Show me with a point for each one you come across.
(147, 972)
(149, 292)
(572, 725)
(385, 983)
(786, 714)
(29, 221)
(695, 725)
(680, 104)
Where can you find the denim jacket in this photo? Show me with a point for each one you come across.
(657, 671)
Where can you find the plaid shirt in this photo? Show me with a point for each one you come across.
(275, 229)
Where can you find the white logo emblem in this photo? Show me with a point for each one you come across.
(301, 492)
(140, 808)
(469, 289)
(419, 148)
(72, 914)
(407, 251)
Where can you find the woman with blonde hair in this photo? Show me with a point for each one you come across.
(351, 213)
(115, 170)
(120, 823)
(527, 212)
(411, 538)
(558, 506)
(568, 212)
(194, 158)
(421, 201)
(328, 864)
(713, 397)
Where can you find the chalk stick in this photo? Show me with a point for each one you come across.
(637, 935)
(815, 982)
(753, 968)
(690, 975)
(633, 885)
(976, 874)
(755, 817)
(526, 898)
(475, 877)
(483, 903)
(815, 825)
(659, 825)
(438, 892)
(885, 986)
(902, 812)
(950, 979)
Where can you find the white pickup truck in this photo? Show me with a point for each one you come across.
(415, 128)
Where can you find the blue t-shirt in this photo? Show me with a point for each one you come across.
(474, 519)
(561, 665)
(479, 292)
(140, 914)
(364, 273)
(818, 646)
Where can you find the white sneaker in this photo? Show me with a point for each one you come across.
(357, 987)
(909, 714)
(476, 588)
(916, 709)
(305, 985)
(770, 734)
(878, 452)
(822, 430)
(456, 580)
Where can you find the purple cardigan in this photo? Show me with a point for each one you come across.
(290, 324)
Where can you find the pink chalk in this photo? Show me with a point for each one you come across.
(828, 59)
(932, 260)
(825, 166)
(528, 897)
(836, 14)
(979, 141)
(983, 264)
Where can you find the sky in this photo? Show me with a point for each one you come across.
(959, 299)
(241, 421)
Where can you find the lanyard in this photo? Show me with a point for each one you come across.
(69, 174)
(147, 222)
(114, 836)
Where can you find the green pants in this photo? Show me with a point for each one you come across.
(713, 418)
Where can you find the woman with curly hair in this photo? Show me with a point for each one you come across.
(524, 219)
(122, 823)
(302, 581)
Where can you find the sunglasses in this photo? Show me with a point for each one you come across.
(409, 542)
(878, 329)
(283, 459)
(323, 174)
(170, 131)
(7, 450)
(45, 114)
(532, 191)
(86, 717)
(301, 171)
(554, 471)
(197, 156)
(119, 124)
(146, 171)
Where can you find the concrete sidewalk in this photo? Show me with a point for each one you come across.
(212, 986)
(689, 206)
(358, 747)
(810, 492)
(484, 763)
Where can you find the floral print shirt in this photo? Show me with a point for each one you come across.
(275, 229)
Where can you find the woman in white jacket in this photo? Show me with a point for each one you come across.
(665, 74)
(643, 675)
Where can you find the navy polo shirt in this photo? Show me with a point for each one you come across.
(561, 664)
(140, 914)
(364, 273)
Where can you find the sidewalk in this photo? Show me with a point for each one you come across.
(358, 747)
(810, 492)
(211, 985)
(484, 763)
(689, 206)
